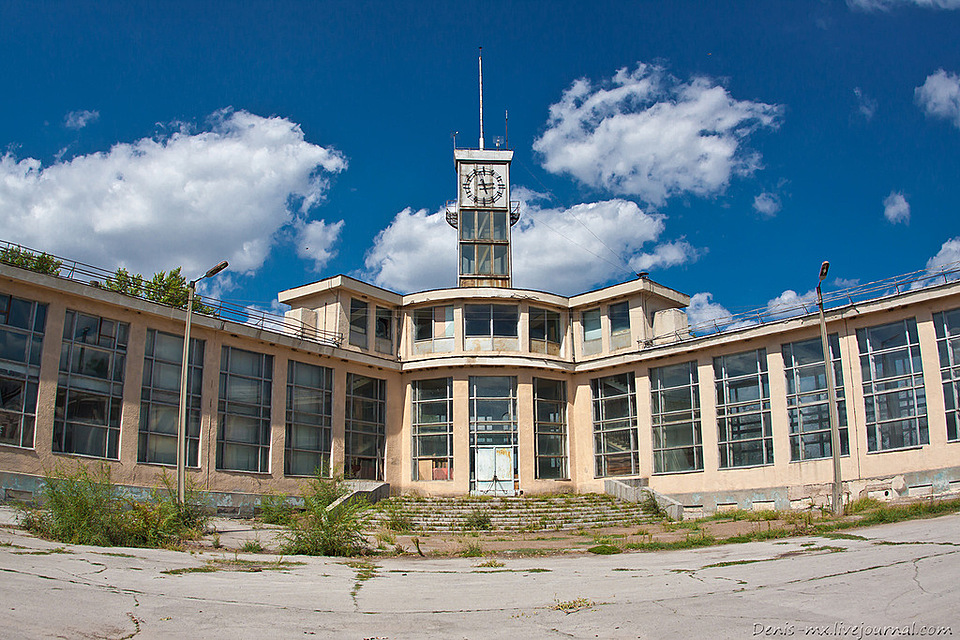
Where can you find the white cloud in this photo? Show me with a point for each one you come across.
(648, 134)
(188, 199)
(896, 209)
(767, 204)
(705, 315)
(887, 5)
(417, 251)
(865, 105)
(789, 304)
(939, 96)
(315, 241)
(948, 256)
(80, 119)
(563, 251)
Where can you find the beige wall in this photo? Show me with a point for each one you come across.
(858, 466)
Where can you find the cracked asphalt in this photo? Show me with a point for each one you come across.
(904, 576)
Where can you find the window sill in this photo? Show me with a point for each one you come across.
(84, 455)
(17, 446)
(747, 466)
(842, 455)
(915, 447)
(676, 473)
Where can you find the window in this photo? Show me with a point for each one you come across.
(675, 395)
(591, 332)
(619, 325)
(160, 399)
(243, 434)
(483, 243)
(365, 436)
(358, 323)
(948, 344)
(493, 418)
(893, 395)
(743, 409)
(433, 429)
(309, 433)
(22, 324)
(90, 386)
(491, 320)
(550, 428)
(384, 330)
(616, 451)
(807, 403)
(544, 331)
(433, 329)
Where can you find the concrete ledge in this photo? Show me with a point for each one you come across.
(636, 490)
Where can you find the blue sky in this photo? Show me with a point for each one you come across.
(728, 148)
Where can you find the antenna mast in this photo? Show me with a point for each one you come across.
(481, 97)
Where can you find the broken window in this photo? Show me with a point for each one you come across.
(433, 429)
(743, 409)
(544, 331)
(675, 398)
(309, 434)
(550, 428)
(243, 430)
(22, 324)
(616, 449)
(807, 403)
(384, 330)
(948, 342)
(358, 323)
(365, 427)
(893, 395)
(160, 399)
(90, 386)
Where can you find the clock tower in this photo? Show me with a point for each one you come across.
(483, 213)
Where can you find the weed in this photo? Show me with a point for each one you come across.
(489, 564)
(252, 546)
(324, 529)
(572, 606)
(471, 550)
(84, 507)
(397, 519)
(276, 508)
(605, 549)
(863, 504)
(479, 520)
(216, 541)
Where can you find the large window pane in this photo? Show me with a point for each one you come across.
(243, 433)
(309, 432)
(743, 409)
(616, 450)
(675, 396)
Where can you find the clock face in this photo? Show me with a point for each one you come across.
(483, 186)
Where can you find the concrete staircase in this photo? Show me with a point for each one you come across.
(537, 513)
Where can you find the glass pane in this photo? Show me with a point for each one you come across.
(619, 317)
(468, 223)
(432, 389)
(499, 225)
(477, 320)
(591, 324)
(505, 319)
(501, 254)
(423, 323)
(168, 347)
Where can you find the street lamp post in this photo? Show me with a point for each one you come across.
(837, 497)
(184, 368)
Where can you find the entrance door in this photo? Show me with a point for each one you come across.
(494, 471)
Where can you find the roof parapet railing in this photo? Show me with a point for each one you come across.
(90, 275)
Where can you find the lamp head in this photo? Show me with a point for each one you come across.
(220, 267)
(823, 269)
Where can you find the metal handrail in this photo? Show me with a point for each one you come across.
(224, 310)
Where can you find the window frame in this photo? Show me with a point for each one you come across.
(604, 425)
(358, 320)
(550, 430)
(803, 401)
(152, 396)
(421, 430)
(358, 425)
(948, 347)
(915, 425)
(666, 418)
(298, 419)
(259, 411)
(732, 411)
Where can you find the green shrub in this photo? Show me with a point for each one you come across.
(320, 531)
(397, 519)
(276, 508)
(84, 507)
(478, 520)
(41, 263)
(862, 504)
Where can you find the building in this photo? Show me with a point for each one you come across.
(483, 388)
